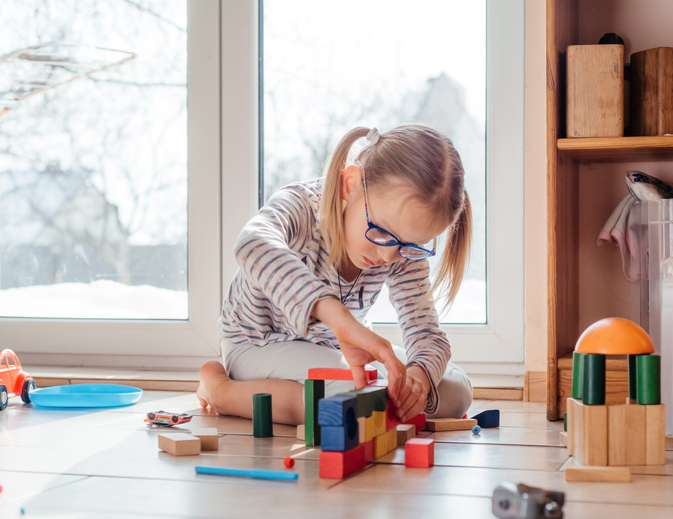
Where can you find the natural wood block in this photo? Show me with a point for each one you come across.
(595, 91)
(570, 408)
(590, 433)
(301, 432)
(563, 438)
(598, 474)
(634, 425)
(180, 444)
(652, 91)
(362, 429)
(617, 435)
(655, 434)
(450, 424)
(405, 432)
(209, 438)
(616, 382)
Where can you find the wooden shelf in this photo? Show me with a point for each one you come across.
(618, 149)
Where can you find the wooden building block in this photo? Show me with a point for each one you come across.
(563, 438)
(595, 91)
(418, 421)
(209, 438)
(262, 416)
(362, 438)
(405, 432)
(370, 398)
(301, 432)
(337, 410)
(392, 439)
(634, 426)
(391, 417)
(370, 428)
(617, 435)
(598, 474)
(570, 406)
(419, 453)
(655, 434)
(338, 374)
(381, 445)
(314, 390)
(488, 419)
(338, 465)
(450, 424)
(180, 444)
(369, 451)
(590, 433)
(379, 423)
(652, 91)
(342, 438)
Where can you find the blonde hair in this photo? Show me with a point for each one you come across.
(429, 164)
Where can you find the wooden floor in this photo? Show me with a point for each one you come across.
(100, 464)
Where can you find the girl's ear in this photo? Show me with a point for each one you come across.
(350, 183)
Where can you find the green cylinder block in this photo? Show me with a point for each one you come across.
(593, 391)
(262, 419)
(632, 376)
(648, 369)
(578, 375)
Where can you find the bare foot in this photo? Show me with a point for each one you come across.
(213, 378)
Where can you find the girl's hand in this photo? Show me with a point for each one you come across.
(413, 396)
(360, 345)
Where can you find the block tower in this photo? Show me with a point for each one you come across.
(616, 435)
(352, 428)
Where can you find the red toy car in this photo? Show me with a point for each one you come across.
(167, 419)
(13, 380)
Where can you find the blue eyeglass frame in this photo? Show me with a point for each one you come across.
(395, 240)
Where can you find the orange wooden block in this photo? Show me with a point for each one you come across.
(338, 374)
(338, 465)
(419, 453)
(655, 434)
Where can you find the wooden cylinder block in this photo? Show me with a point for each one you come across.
(262, 419)
(578, 375)
(648, 369)
(594, 379)
(632, 376)
(595, 91)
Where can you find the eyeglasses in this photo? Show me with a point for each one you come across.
(379, 236)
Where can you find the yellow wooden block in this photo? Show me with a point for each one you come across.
(634, 426)
(301, 432)
(362, 429)
(450, 424)
(405, 432)
(370, 428)
(655, 434)
(381, 445)
(379, 423)
(209, 438)
(180, 444)
(392, 439)
(598, 474)
(617, 435)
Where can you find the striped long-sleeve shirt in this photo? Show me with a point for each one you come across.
(283, 273)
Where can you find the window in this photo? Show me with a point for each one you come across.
(109, 178)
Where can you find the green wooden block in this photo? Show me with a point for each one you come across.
(633, 391)
(262, 418)
(649, 379)
(578, 375)
(369, 399)
(314, 390)
(593, 392)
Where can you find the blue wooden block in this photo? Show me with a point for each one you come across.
(340, 439)
(488, 419)
(337, 411)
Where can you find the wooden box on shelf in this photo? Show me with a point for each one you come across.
(652, 91)
(595, 91)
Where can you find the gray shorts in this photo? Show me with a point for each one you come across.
(291, 360)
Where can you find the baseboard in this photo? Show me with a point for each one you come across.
(535, 386)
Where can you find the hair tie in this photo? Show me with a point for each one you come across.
(373, 136)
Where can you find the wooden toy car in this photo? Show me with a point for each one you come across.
(167, 419)
(13, 380)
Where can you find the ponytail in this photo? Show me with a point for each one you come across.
(331, 217)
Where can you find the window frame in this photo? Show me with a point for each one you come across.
(159, 343)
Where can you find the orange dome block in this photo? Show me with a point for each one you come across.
(614, 336)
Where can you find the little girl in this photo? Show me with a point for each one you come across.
(313, 261)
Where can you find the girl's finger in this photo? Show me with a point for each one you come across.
(359, 376)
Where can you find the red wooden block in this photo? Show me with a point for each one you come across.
(391, 418)
(419, 453)
(369, 451)
(338, 374)
(418, 421)
(338, 465)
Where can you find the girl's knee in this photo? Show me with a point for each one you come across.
(455, 394)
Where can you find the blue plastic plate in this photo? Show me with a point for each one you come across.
(86, 395)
